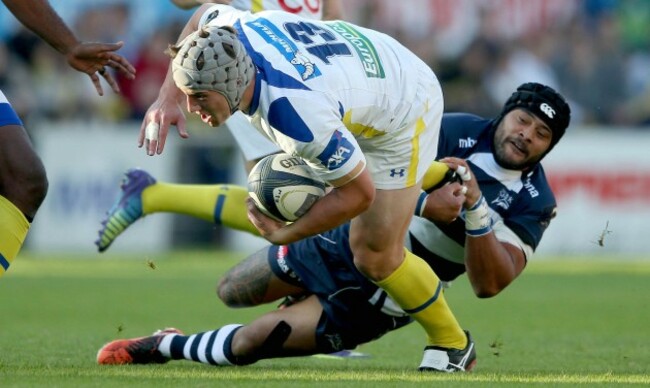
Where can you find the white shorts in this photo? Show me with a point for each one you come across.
(400, 159)
(252, 143)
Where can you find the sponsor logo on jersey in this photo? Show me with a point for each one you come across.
(337, 152)
(466, 143)
(365, 49)
(503, 200)
(283, 251)
(272, 35)
(531, 189)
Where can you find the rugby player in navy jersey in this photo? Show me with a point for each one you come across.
(488, 228)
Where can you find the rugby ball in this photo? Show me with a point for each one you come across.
(284, 187)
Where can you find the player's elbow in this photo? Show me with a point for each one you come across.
(356, 197)
(485, 291)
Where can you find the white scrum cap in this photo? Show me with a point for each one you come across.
(213, 58)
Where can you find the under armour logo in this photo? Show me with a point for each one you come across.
(546, 108)
(397, 172)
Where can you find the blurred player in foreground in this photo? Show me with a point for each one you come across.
(23, 181)
(342, 309)
(362, 111)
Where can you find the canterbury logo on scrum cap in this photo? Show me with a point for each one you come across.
(546, 108)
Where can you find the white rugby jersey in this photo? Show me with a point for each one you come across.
(312, 9)
(324, 87)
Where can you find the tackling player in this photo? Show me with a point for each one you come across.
(344, 309)
(23, 181)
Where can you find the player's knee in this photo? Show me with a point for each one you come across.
(377, 265)
(373, 270)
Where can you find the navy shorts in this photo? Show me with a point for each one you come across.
(353, 307)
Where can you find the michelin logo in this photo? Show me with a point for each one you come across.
(303, 61)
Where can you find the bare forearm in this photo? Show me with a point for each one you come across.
(491, 265)
(327, 213)
(39, 17)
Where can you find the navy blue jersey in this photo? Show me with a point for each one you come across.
(521, 204)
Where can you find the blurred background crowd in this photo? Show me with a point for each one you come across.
(596, 52)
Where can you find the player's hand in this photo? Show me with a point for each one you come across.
(267, 226)
(93, 58)
(444, 204)
(162, 114)
(473, 192)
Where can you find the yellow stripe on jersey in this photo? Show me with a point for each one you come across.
(420, 126)
(360, 130)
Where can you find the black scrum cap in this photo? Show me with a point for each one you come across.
(545, 103)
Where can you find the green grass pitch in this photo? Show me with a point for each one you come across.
(563, 323)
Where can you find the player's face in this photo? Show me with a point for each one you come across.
(210, 105)
(521, 140)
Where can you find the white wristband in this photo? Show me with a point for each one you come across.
(477, 219)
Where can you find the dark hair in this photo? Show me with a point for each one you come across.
(545, 103)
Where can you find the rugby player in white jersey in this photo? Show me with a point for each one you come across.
(361, 109)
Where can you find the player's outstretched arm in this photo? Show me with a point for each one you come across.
(166, 110)
(89, 58)
(491, 265)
